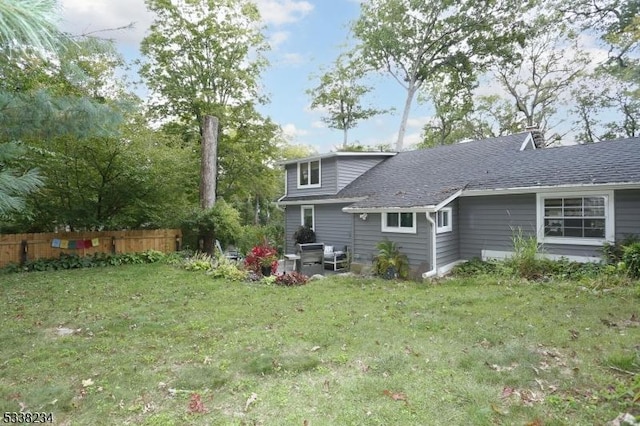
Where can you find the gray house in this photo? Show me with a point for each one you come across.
(452, 203)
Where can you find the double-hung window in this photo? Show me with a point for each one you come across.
(401, 222)
(443, 220)
(585, 219)
(309, 174)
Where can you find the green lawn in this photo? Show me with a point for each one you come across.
(152, 343)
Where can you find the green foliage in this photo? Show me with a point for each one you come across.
(227, 269)
(475, 267)
(198, 261)
(252, 235)
(222, 220)
(631, 259)
(340, 93)
(417, 42)
(612, 253)
(28, 24)
(74, 261)
(15, 184)
(390, 262)
(524, 262)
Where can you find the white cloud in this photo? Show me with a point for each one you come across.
(417, 122)
(292, 59)
(318, 125)
(277, 38)
(279, 12)
(291, 131)
(82, 16)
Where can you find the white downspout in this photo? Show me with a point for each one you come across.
(434, 270)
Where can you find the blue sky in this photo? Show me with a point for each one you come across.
(306, 36)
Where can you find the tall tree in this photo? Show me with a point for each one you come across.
(417, 41)
(540, 77)
(202, 57)
(25, 25)
(340, 94)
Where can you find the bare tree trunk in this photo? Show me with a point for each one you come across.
(208, 173)
(411, 91)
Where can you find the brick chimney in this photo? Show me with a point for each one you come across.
(537, 135)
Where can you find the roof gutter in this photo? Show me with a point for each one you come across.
(318, 201)
(434, 268)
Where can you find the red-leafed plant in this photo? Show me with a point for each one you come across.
(262, 256)
(291, 279)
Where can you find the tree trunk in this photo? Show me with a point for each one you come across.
(208, 173)
(411, 91)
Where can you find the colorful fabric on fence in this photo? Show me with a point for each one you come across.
(75, 244)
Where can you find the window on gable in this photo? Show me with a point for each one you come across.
(576, 219)
(402, 222)
(443, 220)
(309, 174)
(307, 217)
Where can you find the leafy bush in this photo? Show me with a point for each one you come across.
(631, 259)
(613, 253)
(228, 270)
(221, 220)
(389, 263)
(524, 262)
(262, 256)
(475, 267)
(304, 235)
(74, 261)
(198, 262)
(252, 235)
(291, 279)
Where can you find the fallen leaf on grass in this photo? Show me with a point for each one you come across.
(87, 383)
(396, 396)
(315, 348)
(497, 410)
(535, 422)
(500, 368)
(253, 398)
(196, 405)
(506, 392)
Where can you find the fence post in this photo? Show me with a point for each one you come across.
(177, 242)
(24, 248)
(113, 245)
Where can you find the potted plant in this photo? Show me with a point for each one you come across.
(389, 262)
(304, 235)
(262, 260)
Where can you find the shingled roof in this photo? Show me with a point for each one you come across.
(425, 178)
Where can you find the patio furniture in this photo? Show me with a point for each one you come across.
(336, 259)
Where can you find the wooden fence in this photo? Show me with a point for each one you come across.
(18, 248)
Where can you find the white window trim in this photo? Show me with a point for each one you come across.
(308, 165)
(398, 229)
(313, 215)
(609, 219)
(449, 227)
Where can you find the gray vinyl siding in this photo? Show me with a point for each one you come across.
(486, 223)
(627, 213)
(328, 179)
(349, 169)
(447, 243)
(332, 226)
(291, 224)
(416, 246)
